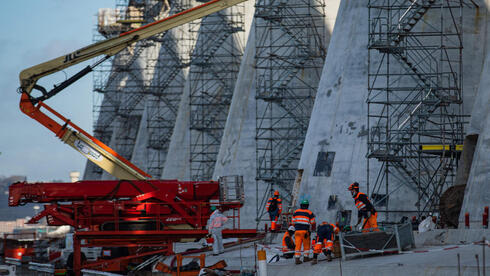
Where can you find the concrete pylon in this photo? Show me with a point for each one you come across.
(235, 156)
(161, 105)
(477, 192)
(108, 109)
(177, 161)
(132, 92)
(338, 123)
(207, 94)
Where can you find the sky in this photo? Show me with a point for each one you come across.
(35, 31)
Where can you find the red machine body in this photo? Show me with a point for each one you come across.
(147, 215)
(89, 204)
(19, 245)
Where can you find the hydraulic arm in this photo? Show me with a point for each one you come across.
(71, 134)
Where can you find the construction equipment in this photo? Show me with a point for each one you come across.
(125, 204)
(143, 217)
(96, 151)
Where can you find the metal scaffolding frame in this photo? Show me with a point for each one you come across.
(290, 53)
(215, 63)
(167, 84)
(121, 83)
(415, 112)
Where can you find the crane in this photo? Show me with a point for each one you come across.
(92, 148)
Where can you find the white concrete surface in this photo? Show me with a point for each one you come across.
(430, 257)
(477, 192)
(167, 84)
(178, 163)
(338, 121)
(237, 152)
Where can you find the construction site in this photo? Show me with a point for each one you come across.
(268, 137)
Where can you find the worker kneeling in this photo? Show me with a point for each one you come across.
(324, 241)
(288, 243)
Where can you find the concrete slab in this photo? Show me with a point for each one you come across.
(450, 236)
(424, 260)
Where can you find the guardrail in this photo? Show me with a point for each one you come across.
(48, 268)
(89, 272)
(393, 239)
(13, 261)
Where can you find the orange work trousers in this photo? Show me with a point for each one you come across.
(321, 245)
(302, 237)
(370, 222)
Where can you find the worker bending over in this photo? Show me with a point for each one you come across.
(274, 208)
(215, 226)
(324, 241)
(303, 220)
(365, 209)
(288, 243)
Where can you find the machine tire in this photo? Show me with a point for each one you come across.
(131, 226)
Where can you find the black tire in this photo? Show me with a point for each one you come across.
(143, 225)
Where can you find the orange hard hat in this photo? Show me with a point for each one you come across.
(276, 193)
(354, 186)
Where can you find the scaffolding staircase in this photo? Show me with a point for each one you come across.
(412, 118)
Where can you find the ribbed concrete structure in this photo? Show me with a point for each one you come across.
(207, 94)
(125, 82)
(167, 85)
(477, 192)
(338, 123)
(120, 87)
(132, 95)
(178, 130)
(338, 114)
(236, 155)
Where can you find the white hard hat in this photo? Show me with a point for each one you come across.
(291, 228)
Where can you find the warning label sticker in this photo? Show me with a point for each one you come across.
(87, 150)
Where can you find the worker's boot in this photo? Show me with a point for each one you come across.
(306, 259)
(314, 261)
(297, 261)
(329, 256)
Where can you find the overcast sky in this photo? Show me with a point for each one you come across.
(34, 31)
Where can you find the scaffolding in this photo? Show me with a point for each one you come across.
(290, 53)
(167, 84)
(121, 83)
(415, 112)
(215, 63)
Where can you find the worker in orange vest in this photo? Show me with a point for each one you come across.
(324, 241)
(288, 243)
(274, 208)
(303, 220)
(365, 209)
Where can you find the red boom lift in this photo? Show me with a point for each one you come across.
(134, 212)
(147, 216)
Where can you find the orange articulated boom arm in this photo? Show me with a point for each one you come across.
(93, 149)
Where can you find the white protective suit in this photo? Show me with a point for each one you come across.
(215, 226)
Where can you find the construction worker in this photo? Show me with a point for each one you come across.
(324, 241)
(303, 220)
(365, 209)
(274, 208)
(215, 226)
(288, 243)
